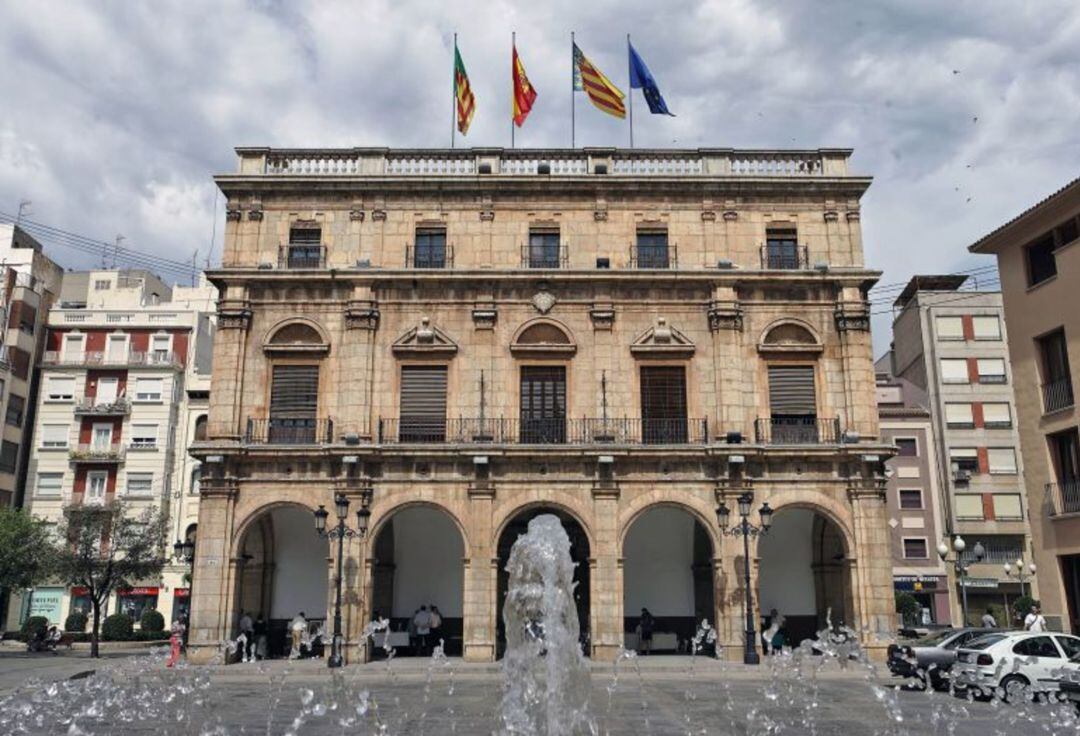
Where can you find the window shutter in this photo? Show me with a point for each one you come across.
(950, 328)
(958, 414)
(423, 402)
(294, 392)
(791, 390)
(996, 413)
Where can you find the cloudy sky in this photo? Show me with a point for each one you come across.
(114, 115)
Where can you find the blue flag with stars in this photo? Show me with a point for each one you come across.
(641, 78)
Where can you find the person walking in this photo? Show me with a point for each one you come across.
(988, 620)
(771, 637)
(176, 640)
(297, 628)
(647, 624)
(436, 623)
(1034, 621)
(423, 630)
(247, 631)
(262, 649)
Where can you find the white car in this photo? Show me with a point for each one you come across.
(1014, 661)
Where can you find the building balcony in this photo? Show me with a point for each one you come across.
(1057, 395)
(541, 256)
(96, 454)
(1064, 497)
(289, 431)
(435, 258)
(587, 431)
(129, 359)
(785, 257)
(797, 431)
(654, 256)
(298, 257)
(88, 406)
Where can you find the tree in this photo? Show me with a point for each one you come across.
(908, 607)
(25, 547)
(105, 548)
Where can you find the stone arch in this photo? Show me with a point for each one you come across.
(254, 515)
(701, 510)
(296, 333)
(380, 516)
(505, 514)
(835, 512)
(543, 335)
(790, 334)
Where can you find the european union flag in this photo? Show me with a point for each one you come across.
(641, 78)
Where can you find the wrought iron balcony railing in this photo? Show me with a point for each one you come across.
(429, 257)
(1057, 395)
(130, 358)
(89, 406)
(785, 257)
(622, 431)
(654, 256)
(294, 256)
(289, 431)
(797, 431)
(97, 453)
(1064, 497)
(537, 255)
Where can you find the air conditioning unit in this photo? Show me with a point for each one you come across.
(961, 476)
(266, 266)
(603, 263)
(351, 438)
(734, 438)
(725, 265)
(363, 263)
(821, 266)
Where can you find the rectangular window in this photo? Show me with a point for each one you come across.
(915, 548)
(430, 249)
(959, 416)
(102, 285)
(1057, 380)
(1065, 453)
(964, 458)
(663, 405)
(423, 403)
(652, 249)
(544, 250)
(160, 347)
(1002, 460)
(969, 506)
(16, 406)
(1066, 232)
(116, 350)
(954, 370)
(96, 483)
(294, 402)
(101, 436)
(991, 370)
(60, 388)
(997, 415)
(140, 484)
(950, 328)
(911, 499)
(986, 327)
(148, 389)
(1007, 507)
(1041, 264)
(9, 456)
(54, 435)
(792, 405)
(305, 248)
(49, 484)
(543, 404)
(144, 435)
(907, 447)
(782, 250)
(73, 348)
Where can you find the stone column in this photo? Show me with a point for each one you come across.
(481, 577)
(355, 361)
(214, 582)
(225, 419)
(725, 325)
(605, 598)
(873, 584)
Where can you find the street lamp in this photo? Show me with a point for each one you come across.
(1019, 572)
(184, 550)
(746, 530)
(339, 532)
(961, 567)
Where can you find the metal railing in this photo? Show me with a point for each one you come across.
(429, 257)
(1057, 395)
(797, 431)
(295, 256)
(588, 431)
(1065, 497)
(654, 256)
(97, 453)
(995, 553)
(785, 258)
(90, 406)
(536, 255)
(288, 431)
(164, 358)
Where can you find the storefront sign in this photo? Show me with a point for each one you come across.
(47, 602)
(130, 592)
(182, 592)
(916, 583)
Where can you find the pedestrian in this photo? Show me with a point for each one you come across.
(1034, 621)
(772, 635)
(297, 628)
(410, 628)
(988, 620)
(423, 629)
(436, 623)
(176, 639)
(247, 631)
(261, 639)
(646, 624)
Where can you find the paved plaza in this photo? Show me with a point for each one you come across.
(663, 695)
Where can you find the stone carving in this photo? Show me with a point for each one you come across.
(378, 215)
(424, 339)
(255, 213)
(602, 315)
(831, 216)
(662, 339)
(356, 215)
(731, 215)
(362, 314)
(485, 315)
(852, 317)
(725, 315)
(543, 301)
(233, 214)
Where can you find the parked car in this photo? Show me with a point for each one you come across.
(932, 656)
(1017, 660)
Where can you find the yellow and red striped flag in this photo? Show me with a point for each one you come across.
(603, 94)
(524, 93)
(466, 102)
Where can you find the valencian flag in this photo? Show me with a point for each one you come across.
(640, 78)
(604, 95)
(466, 103)
(524, 93)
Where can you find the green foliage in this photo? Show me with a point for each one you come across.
(117, 627)
(907, 606)
(35, 625)
(25, 549)
(152, 621)
(1022, 606)
(76, 622)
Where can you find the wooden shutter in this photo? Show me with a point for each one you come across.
(663, 404)
(305, 236)
(423, 402)
(791, 390)
(294, 392)
(543, 404)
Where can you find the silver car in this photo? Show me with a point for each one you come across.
(929, 658)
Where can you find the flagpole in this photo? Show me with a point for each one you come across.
(573, 97)
(513, 72)
(453, 94)
(630, 88)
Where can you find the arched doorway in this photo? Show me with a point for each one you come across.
(418, 560)
(579, 553)
(667, 569)
(804, 574)
(282, 572)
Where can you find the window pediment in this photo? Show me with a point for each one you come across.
(662, 340)
(789, 337)
(424, 340)
(296, 336)
(543, 337)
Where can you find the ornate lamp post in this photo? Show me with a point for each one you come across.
(961, 567)
(340, 532)
(746, 530)
(1019, 572)
(184, 550)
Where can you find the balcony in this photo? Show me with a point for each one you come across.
(429, 257)
(88, 406)
(1057, 395)
(129, 359)
(299, 257)
(797, 431)
(283, 431)
(1064, 497)
(96, 454)
(654, 256)
(785, 257)
(544, 256)
(587, 431)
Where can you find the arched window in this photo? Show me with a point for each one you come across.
(542, 336)
(297, 333)
(200, 428)
(789, 336)
(196, 480)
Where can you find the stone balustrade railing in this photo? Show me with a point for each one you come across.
(554, 162)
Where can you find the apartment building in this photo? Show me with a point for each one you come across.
(1039, 263)
(916, 504)
(125, 389)
(640, 342)
(952, 344)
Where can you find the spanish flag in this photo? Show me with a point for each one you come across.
(524, 94)
(603, 94)
(466, 103)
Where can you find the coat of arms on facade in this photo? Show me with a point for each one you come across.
(543, 301)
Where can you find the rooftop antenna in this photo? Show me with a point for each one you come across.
(24, 209)
(194, 266)
(116, 252)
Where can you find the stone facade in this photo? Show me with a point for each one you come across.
(716, 307)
